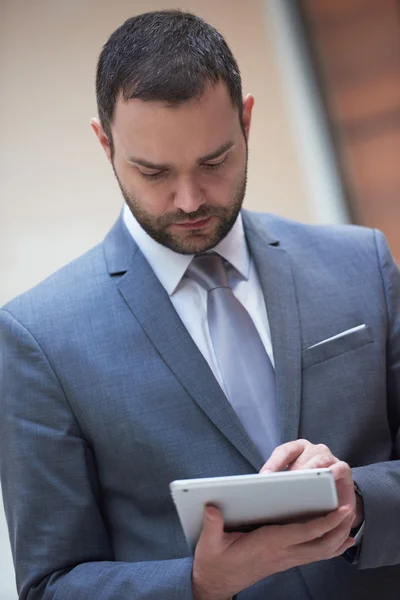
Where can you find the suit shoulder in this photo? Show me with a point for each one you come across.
(339, 249)
(295, 234)
(68, 286)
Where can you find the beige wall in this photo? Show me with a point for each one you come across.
(57, 193)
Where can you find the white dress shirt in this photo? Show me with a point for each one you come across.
(190, 299)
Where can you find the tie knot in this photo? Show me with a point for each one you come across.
(208, 270)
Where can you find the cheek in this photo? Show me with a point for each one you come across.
(153, 199)
(223, 185)
(220, 189)
(159, 199)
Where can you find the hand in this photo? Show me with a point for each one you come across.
(301, 454)
(227, 563)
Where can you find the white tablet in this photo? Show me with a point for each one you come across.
(248, 501)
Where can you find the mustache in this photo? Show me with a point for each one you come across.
(203, 212)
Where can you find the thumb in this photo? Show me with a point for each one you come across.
(213, 524)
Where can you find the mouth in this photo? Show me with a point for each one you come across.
(200, 224)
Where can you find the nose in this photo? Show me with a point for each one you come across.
(188, 196)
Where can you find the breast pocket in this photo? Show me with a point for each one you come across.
(337, 345)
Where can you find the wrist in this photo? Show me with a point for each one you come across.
(201, 595)
(200, 591)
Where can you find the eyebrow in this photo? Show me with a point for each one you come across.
(162, 166)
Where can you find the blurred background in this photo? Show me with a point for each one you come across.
(324, 144)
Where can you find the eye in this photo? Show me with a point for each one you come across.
(215, 166)
(152, 176)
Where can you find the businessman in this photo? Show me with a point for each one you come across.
(198, 339)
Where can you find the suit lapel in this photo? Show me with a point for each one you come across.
(274, 270)
(153, 309)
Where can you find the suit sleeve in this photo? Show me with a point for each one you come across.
(60, 544)
(380, 483)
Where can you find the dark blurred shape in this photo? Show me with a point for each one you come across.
(355, 48)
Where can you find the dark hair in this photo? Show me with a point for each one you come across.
(168, 55)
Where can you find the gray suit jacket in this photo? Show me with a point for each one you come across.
(105, 399)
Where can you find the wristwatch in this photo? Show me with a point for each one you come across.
(357, 490)
(358, 494)
(351, 554)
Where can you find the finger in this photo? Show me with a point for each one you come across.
(331, 543)
(341, 471)
(284, 455)
(349, 543)
(344, 482)
(336, 537)
(345, 540)
(213, 526)
(317, 528)
(319, 461)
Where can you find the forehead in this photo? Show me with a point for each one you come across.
(157, 132)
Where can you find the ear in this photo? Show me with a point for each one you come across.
(103, 139)
(248, 104)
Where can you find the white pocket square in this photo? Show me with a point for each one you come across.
(339, 335)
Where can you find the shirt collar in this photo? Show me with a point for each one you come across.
(170, 266)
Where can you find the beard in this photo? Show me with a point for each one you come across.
(190, 241)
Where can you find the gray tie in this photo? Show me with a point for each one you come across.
(245, 367)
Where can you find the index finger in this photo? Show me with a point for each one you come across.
(284, 455)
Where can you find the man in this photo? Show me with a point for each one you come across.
(196, 340)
